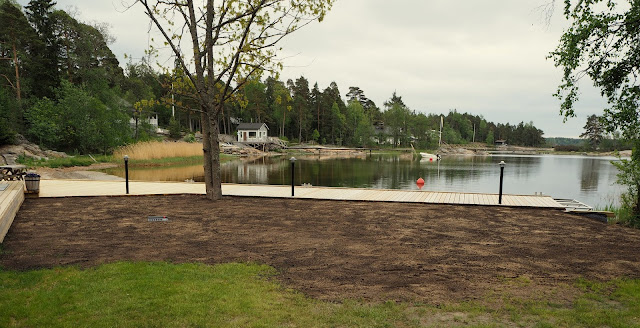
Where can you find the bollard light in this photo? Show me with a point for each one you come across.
(502, 164)
(126, 171)
(293, 175)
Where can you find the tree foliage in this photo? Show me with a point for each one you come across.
(77, 122)
(603, 43)
(84, 53)
(593, 131)
(16, 39)
(230, 43)
(41, 48)
(47, 47)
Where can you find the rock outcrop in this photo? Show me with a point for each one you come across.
(22, 147)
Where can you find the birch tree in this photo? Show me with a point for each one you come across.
(230, 41)
(603, 43)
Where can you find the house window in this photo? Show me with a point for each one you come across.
(252, 134)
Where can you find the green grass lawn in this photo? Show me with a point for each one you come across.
(80, 160)
(248, 295)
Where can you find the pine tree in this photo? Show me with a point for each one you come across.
(45, 67)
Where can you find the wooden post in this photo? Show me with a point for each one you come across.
(501, 179)
(126, 171)
(293, 175)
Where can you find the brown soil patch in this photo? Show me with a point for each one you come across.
(330, 249)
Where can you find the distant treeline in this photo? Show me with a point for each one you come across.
(62, 87)
(297, 112)
(608, 143)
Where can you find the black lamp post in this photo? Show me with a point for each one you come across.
(293, 174)
(126, 171)
(502, 164)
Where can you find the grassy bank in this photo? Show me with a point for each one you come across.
(86, 160)
(80, 160)
(153, 153)
(623, 215)
(240, 295)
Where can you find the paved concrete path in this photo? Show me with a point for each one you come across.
(70, 188)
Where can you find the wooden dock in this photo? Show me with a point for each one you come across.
(71, 188)
(11, 197)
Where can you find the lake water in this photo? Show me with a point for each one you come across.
(587, 179)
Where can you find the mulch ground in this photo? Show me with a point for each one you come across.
(331, 249)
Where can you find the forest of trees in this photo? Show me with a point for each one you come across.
(63, 88)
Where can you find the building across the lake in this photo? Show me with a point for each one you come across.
(500, 142)
(253, 132)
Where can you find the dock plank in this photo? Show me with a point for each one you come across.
(415, 196)
(424, 196)
(10, 201)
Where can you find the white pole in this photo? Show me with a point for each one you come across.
(441, 124)
(173, 101)
(474, 132)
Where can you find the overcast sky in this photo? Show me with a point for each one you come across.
(482, 57)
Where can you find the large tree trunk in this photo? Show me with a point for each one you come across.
(224, 123)
(284, 116)
(211, 148)
(206, 148)
(636, 209)
(216, 190)
(635, 161)
(300, 127)
(15, 64)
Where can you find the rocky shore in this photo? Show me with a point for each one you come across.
(10, 153)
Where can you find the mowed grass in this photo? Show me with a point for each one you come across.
(168, 295)
(247, 295)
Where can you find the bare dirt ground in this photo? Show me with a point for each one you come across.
(333, 250)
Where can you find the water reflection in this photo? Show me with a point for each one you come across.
(172, 173)
(590, 174)
(589, 179)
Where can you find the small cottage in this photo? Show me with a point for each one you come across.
(252, 132)
(500, 142)
(149, 118)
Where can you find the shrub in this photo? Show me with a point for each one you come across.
(189, 138)
(174, 128)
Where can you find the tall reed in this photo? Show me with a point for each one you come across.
(157, 150)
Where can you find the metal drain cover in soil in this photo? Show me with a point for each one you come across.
(158, 219)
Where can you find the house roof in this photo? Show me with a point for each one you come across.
(251, 126)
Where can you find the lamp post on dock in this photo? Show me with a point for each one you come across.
(502, 164)
(126, 171)
(293, 174)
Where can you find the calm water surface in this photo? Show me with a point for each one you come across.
(587, 179)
